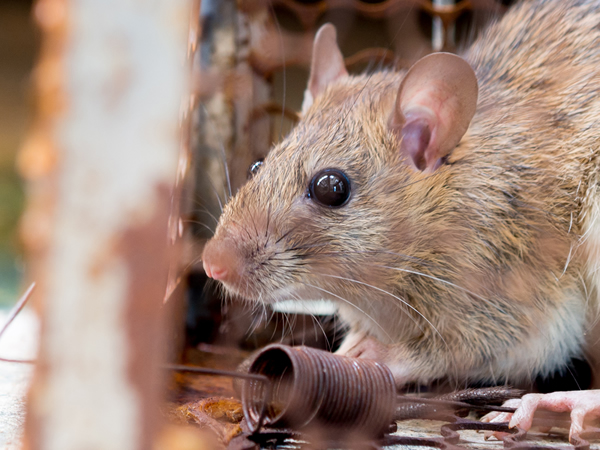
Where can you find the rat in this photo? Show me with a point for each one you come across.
(451, 211)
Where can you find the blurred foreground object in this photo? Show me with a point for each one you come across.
(101, 164)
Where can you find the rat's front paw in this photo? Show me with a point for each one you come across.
(581, 404)
(359, 345)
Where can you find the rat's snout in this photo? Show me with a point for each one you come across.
(221, 261)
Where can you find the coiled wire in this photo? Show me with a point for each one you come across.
(311, 387)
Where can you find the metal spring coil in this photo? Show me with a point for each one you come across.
(313, 388)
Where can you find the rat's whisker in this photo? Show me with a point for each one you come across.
(207, 211)
(226, 168)
(286, 234)
(283, 65)
(215, 192)
(257, 319)
(420, 261)
(223, 155)
(268, 223)
(286, 321)
(404, 302)
(243, 228)
(314, 318)
(348, 302)
(196, 222)
(253, 221)
(306, 247)
(449, 283)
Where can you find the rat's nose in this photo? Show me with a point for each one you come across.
(214, 271)
(220, 260)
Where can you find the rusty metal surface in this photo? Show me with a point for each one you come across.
(446, 422)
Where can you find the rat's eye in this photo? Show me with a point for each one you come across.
(330, 187)
(253, 169)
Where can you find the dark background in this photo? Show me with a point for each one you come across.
(18, 49)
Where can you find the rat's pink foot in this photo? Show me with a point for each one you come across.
(499, 417)
(581, 404)
(359, 345)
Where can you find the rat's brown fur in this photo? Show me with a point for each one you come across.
(485, 269)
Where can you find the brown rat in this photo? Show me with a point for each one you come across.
(452, 212)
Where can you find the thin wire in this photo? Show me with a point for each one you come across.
(11, 316)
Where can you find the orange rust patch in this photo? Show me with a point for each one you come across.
(220, 415)
(147, 255)
(224, 409)
(37, 158)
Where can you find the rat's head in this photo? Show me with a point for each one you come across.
(333, 200)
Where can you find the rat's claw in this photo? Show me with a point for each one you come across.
(523, 416)
(496, 417)
(581, 405)
(499, 417)
(577, 416)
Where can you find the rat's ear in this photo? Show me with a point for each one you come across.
(434, 107)
(327, 64)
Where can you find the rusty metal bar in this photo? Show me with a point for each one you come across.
(101, 164)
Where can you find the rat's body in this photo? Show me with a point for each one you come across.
(472, 257)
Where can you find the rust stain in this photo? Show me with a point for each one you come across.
(222, 416)
(38, 156)
(147, 255)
